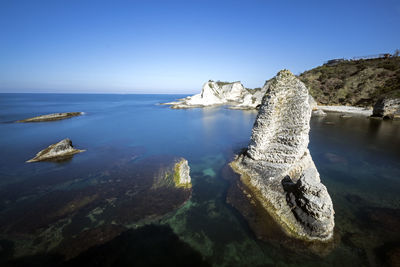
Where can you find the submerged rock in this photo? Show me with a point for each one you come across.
(222, 93)
(345, 116)
(277, 165)
(52, 117)
(387, 108)
(60, 150)
(85, 206)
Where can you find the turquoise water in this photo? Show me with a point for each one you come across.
(97, 208)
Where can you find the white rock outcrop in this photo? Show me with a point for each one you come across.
(56, 151)
(277, 164)
(222, 93)
(319, 113)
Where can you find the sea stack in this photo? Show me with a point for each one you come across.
(277, 164)
(58, 151)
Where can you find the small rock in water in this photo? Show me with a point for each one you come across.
(52, 117)
(182, 173)
(345, 116)
(62, 149)
(319, 113)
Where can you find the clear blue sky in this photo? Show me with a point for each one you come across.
(175, 46)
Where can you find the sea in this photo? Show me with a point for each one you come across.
(103, 207)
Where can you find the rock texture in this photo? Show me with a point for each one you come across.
(387, 108)
(313, 104)
(182, 173)
(233, 94)
(56, 151)
(277, 164)
(222, 93)
(52, 117)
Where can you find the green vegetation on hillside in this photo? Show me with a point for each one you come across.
(356, 82)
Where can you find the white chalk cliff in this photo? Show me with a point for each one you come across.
(277, 164)
(222, 93)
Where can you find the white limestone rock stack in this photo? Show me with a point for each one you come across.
(221, 93)
(277, 164)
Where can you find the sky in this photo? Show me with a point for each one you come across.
(81, 46)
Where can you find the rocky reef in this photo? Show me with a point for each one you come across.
(58, 151)
(277, 166)
(52, 117)
(88, 205)
(387, 108)
(222, 93)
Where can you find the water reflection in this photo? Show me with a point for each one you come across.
(67, 208)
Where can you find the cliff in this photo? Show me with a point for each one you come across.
(277, 165)
(354, 82)
(222, 93)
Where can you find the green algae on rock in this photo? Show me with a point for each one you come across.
(52, 117)
(176, 176)
(182, 174)
(58, 151)
(88, 207)
(277, 164)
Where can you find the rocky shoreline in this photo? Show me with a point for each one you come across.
(347, 109)
(236, 96)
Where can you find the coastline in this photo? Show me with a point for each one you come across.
(347, 109)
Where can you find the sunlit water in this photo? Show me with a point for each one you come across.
(47, 208)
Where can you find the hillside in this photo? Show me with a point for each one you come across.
(354, 82)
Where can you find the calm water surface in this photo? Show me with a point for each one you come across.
(98, 207)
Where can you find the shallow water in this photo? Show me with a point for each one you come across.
(129, 137)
